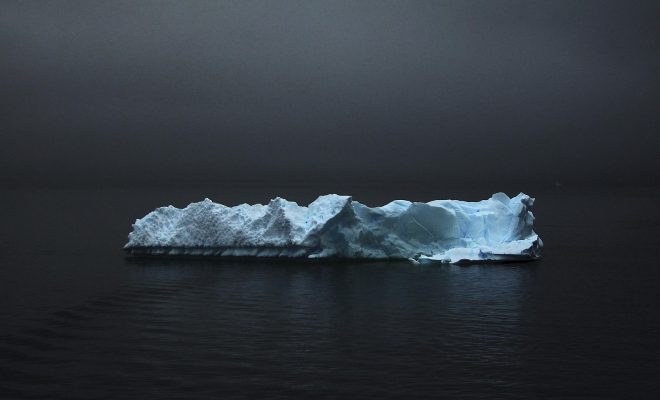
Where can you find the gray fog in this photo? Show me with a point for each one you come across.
(312, 91)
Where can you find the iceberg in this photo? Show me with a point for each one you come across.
(333, 226)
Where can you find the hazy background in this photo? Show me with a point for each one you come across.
(306, 91)
(109, 109)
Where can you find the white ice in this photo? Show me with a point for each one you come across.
(449, 231)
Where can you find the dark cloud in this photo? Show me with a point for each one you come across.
(306, 90)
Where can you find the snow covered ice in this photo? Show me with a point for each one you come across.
(449, 231)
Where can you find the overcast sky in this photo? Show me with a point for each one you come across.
(299, 91)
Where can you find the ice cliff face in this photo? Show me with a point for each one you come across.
(451, 231)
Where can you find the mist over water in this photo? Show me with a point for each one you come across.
(430, 91)
(81, 321)
(111, 109)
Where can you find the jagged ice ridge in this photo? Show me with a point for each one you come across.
(450, 231)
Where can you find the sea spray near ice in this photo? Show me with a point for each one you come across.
(450, 231)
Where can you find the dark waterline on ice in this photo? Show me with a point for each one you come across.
(81, 321)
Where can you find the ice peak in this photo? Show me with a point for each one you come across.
(499, 228)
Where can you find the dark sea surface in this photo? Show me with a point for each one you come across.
(79, 320)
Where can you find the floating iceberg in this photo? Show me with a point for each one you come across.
(449, 231)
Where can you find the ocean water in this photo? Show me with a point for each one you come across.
(79, 320)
